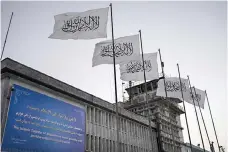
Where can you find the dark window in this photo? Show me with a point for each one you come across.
(91, 143)
(155, 85)
(87, 142)
(149, 88)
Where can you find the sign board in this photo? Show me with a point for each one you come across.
(37, 122)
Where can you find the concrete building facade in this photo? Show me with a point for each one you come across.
(164, 112)
(100, 115)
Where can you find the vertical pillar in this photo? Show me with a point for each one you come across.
(94, 130)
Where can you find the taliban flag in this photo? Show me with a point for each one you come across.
(133, 70)
(125, 48)
(198, 97)
(81, 25)
(173, 87)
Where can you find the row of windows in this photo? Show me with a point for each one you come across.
(168, 132)
(169, 145)
(168, 140)
(167, 122)
(168, 129)
(166, 135)
(171, 148)
(131, 132)
(141, 88)
(103, 118)
(168, 119)
(144, 110)
(98, 144)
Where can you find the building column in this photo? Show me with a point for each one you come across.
(94, 130)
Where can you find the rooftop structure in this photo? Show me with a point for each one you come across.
(164, 112)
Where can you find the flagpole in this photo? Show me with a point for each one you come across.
(202, 118)
(184, 108)
(163, 73)
(145, 85)
(196, 113)
(130, 93)
(162, 66)
(114, 67)
(6, 35)
(212, 120)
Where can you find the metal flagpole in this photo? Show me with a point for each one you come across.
(202, 118)
(114, 67)
(130, 91)
(162, 66)
(6, 35)
(186, 119)
(163, 73)
(196, 114)
(147, 103)
(123, 90)
(212, 120)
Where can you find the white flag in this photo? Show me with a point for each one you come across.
(133, 70)
(81, 25)
(199, 97)
(125, 48)
(173, 87)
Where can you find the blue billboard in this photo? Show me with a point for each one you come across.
(39, 123)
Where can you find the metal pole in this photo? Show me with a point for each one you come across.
(202, 117)
(162, 66)
(186, 119)
(212, 120)
(196, 114)
(130, 91)
(6, 35)
(123, 90)
(114, 67)
(145, 85)
(166, 95)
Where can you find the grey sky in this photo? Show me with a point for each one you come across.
(190, 33)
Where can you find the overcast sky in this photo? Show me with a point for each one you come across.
(193, 34)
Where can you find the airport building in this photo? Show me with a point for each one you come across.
(100, 117)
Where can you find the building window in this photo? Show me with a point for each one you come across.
(149, 88)
(87, 141)
(96, 115)
(87, 114)
(110, 121)
(107, 119)
(107, 144)
(99, 117)
(92, 115)
(96, 143)
(99, 149)
(92, 143)
(155, 86)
